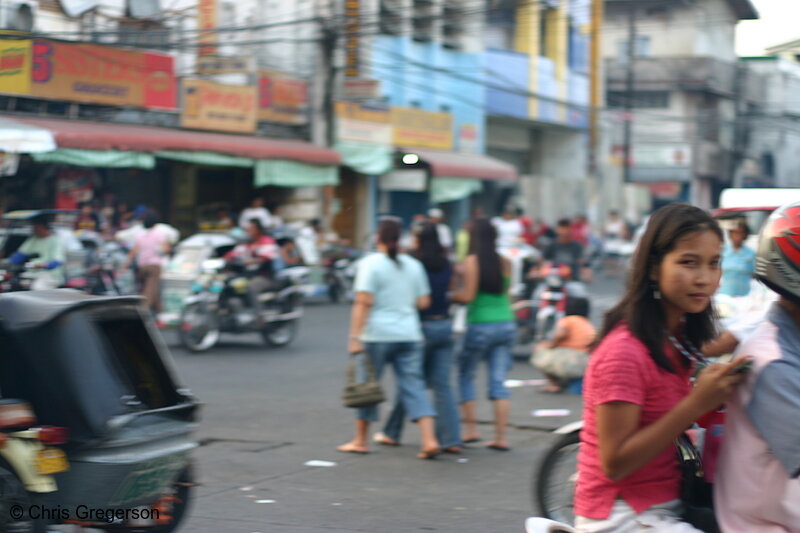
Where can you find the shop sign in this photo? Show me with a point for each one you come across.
(468, 138)
(207, 11)
(207, 105)
(282, 100)
(99, 74)
(213, 65)
(416, 128)
(15, 66)
(414, 180)
(361, 89)
(352, 41)
(363, 123)
(73, 186)
(662, 155)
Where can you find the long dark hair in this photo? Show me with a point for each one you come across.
(638, 308)
(490, 268)
(430, 251)
(389, 235)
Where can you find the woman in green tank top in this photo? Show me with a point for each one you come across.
(490, 331)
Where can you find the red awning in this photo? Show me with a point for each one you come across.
(111, 136)
(464, 165)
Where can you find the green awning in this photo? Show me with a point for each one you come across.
(366, 158)
(201, 157)
(97, 158)
(285, 173)
(451, 189)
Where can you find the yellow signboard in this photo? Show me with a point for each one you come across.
(416, 128)
(206, 105)
(15, 66)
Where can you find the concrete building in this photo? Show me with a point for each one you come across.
(680, 91)
(538, 97)
(771, 130)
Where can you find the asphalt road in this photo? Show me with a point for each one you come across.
(269, 411)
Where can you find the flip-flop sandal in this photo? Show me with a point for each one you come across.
(454, 450)
(498, 448)
(344, 449)
(382, 439)
(429, 455)
(473, 440)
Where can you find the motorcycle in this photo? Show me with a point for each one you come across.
(92, 416)
(100, 269)
(551, 296)
(556, 476)
(219, 304)
(340, 271)
(15, 278)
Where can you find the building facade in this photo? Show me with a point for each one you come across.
(538, 100)
(673, 92)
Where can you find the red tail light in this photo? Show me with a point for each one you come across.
(52, 435)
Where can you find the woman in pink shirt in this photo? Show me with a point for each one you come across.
(637, 392)
(148, 251)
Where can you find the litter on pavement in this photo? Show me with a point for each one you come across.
(321, 464)
(515, 383)
(550, 412)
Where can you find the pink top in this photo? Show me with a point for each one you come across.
(621, 369)
(151, 247)
(754, 491)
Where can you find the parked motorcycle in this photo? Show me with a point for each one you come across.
(14, 277)
(219, 304)
(556, 476)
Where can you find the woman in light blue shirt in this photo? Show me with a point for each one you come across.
(390, 290)
(738, 262)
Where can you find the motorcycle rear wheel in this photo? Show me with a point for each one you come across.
(555, 478)
(199, 328)
(280, 333)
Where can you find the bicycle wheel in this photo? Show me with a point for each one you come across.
(555, 478)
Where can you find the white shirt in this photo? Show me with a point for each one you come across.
(445, 235)
(509, 232)
(261, 213)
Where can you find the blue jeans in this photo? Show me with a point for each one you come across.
(491, 342)
(436, 367)
(406, 357)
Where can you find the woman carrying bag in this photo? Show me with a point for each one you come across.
(391, 289)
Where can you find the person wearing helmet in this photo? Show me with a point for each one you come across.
(757, 486)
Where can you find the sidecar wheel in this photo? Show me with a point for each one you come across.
(15, 499)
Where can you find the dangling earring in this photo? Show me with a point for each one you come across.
(656, 292)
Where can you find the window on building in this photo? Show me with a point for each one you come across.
(640, 100)
(452, 24)
(423, 20)
(143, 33)
(544, 49)
(641, 47)
(500, 24)
(391, 18)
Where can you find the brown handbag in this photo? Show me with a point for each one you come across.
(364, 394)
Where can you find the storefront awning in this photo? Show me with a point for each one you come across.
(19, 138)
(464, 165)
(110, 136)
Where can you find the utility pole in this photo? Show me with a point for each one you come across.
(629, 93)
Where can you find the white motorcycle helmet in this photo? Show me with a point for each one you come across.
(778, 257)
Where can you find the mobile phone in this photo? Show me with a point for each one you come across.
(745, 368)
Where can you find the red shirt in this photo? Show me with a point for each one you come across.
(264, 248)
(621, 369)
(579, 231)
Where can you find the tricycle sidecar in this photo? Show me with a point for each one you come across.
(96, 366)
